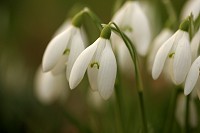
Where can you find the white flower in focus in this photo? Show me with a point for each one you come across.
(195, 45)
(63, 48)
(192, 77)
(156, 44)
(191, 6)
(49, 87)
(180, 112)
(134, 23)
(177, 50)
(100, 62)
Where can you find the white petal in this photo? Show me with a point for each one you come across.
(182, 59)
(81, 64)
(55, 49)
(156, 44)
(107, 72)
(77, 46)
(195, 45)
(93, 71)
(192, 76)
(60, 66)
(92, 77)
(161, 57)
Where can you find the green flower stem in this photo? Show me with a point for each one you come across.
(139, 84)
(197, 23)
(119, 98)
(171, 110)
(187, 112)
(94, 18)
(82, 128)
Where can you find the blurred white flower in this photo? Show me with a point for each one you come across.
(177, 50)
(133, 21)
(63, 48)
(123, 56)
(100, 62)
(191, 6)
(180, 112)
(156, 44)
(195, 45)
(50, 88)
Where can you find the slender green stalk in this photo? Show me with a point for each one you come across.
(94, 18)
(119, 97)
(171, 111)
(187, 112)
(139, 84)
(82, 128)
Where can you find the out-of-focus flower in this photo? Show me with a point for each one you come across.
(177, 50)
(125, 62)
(191, 6)
(100, 62)
(156, 44)
(63, 48)
(50, 88)
(133, 21)
(180, 112)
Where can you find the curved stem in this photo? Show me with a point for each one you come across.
(94, 17)
(139, 84)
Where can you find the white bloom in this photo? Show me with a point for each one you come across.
(100, 62)
(177, 49)
(191, 6)
(180, 112)
(49, 87)
(133, 21)
(156, 44)
(195, 45)
(192, 77)
(63, 48)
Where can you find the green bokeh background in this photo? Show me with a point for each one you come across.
(26, 27)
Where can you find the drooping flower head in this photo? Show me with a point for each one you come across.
(177, 50)
(64, 48)
(99, 61)
(134, 23)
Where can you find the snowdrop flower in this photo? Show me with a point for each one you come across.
(180, 112)
(133, 21)
(177, 50)
(191, 6)
(64, 48)
(192, 77)
(195, 45)
(100, 62)
(49, 87)
(165, 34)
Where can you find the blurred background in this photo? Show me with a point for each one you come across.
(26, 27)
